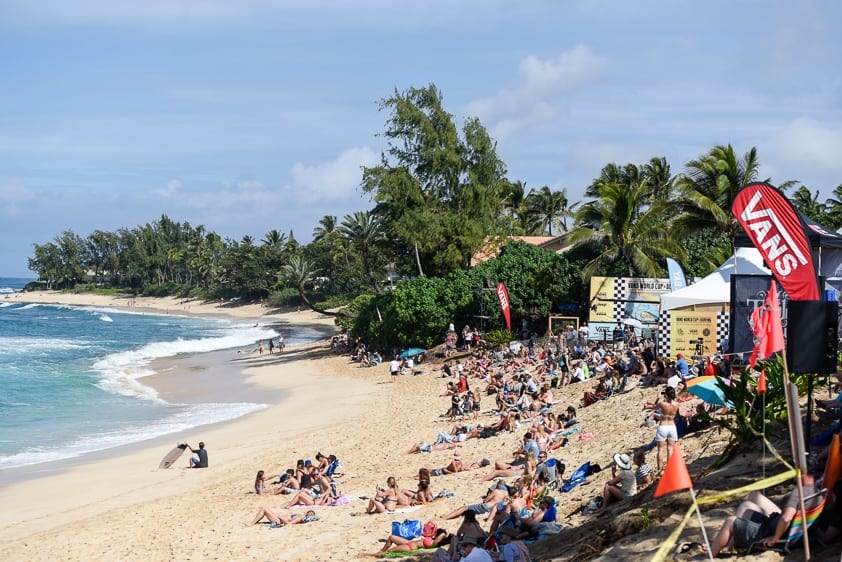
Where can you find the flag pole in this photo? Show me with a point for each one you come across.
(797, 443)
(701, 524)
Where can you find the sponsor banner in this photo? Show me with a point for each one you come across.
(693, 332)
(503, 296)
(776, 230)
(602, 300)
(614, 299)
(677, 279)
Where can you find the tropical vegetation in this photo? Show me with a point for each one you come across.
(399, 272)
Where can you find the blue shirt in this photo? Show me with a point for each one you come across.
(681, 366)
(532, 445)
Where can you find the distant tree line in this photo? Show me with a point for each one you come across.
(441, 193)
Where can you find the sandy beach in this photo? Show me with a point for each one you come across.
(121, 507)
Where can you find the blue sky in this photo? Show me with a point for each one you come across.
(250, 115)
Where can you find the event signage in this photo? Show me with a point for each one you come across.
(775, 229)
(503, 296)
(749, 292)
(615, 299)
(693, 333)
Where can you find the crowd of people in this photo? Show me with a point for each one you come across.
(494, 392)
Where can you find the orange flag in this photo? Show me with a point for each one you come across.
(767, 327)
(761, 382)
(675, 476)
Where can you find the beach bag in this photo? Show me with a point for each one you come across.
(407, 529)
(429, 529)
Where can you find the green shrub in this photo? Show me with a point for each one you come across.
(499, 337)
(286, 297)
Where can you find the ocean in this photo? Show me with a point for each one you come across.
(72, 378)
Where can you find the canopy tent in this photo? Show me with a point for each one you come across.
(716, 287)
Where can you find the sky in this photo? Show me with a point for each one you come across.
(251, 115)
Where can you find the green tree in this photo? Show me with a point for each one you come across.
(834, 208)
(548, 208)
(626, 230)
(707, 189)
(363, 231)
(299, 273)
(327, 225)
(439, 194)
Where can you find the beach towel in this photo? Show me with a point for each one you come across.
(578, 477)
(401, 554)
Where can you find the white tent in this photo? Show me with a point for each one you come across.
(716, 287)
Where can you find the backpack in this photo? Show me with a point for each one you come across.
(429, 529)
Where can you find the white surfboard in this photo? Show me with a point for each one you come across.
(170, 458)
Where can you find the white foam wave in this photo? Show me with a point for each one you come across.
(29, 306)
(186, 418)
(105, 318)
(121, 371)
(18, 345)
(7, 291)
(5, 304)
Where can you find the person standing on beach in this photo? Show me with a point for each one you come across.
(201, 458)
(394, 368)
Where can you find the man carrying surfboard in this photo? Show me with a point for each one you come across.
(201, 458)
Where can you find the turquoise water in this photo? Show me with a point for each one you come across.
(72, 378)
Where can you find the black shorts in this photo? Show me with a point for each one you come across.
(748, 531)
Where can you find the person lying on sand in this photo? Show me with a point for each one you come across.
(278, 520)
(395, 543)
(496, 494)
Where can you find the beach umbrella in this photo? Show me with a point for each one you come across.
(706, 389)
(633, 322)
(411, 352)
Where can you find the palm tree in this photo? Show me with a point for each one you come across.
(275, 239)
(625, 228)
(809, 204)
(300, 272)
(327, 224)
(707, 190)
(547, 207)
(364, 231)
(834, 208)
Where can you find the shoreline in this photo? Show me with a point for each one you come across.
(123, 508)
(192, 378)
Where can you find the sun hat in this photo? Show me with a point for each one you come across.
(623, 461)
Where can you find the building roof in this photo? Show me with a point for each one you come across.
(491, 245)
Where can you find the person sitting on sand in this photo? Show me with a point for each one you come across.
(395, 543)
(427, 447)
(385, 499)
(201, 458)
(622, 485)
(260, 484)
(310, 496)
(279, 520)
(760, 519)
(643, 474)
(416, 497)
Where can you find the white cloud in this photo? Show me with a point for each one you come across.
(536, 97)
(14, 196)
(336, 179)
(169, 189)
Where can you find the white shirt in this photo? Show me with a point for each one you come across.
(394, 366)
(477, 555)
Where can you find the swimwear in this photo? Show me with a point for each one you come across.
(666, 432)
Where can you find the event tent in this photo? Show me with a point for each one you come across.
(716, 287)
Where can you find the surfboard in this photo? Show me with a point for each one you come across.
(170, 458)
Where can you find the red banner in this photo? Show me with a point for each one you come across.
(503, 295)
(775, 229)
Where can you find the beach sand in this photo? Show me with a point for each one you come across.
(121, 507)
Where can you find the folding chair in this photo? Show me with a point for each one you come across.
(796, 529)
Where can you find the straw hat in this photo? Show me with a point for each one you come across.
(623, 461)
